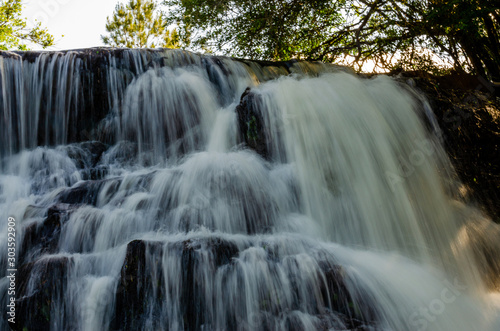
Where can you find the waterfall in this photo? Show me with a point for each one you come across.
(166, 190)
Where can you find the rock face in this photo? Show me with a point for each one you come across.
(136, 279)
(43, 238)
(41, 284)
(467, 109)
(144, 290)
(88, 90)
(250, 123)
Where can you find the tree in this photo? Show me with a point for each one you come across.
(412, 33)
(270, 30)
(139, 24)
(13, 28)
(471, 27)
(408, 34)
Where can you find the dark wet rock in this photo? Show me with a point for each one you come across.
(40, 285)
(141, 289)
(135, 282)
(467, 109)
(217, 71)
(86, 157)
(353, 312)
(86, 154)
(84, 194)
(11, 55)
(143, 261)
(251, 123)
(87, 106)
(220, 252)
(136, 279)
(90, 104)
(42, 238)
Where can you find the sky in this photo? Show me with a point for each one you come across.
(73, 23)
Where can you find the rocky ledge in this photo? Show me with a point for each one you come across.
(467, 109)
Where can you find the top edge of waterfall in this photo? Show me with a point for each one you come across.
(106, 51)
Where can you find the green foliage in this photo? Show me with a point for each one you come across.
(13, 28)
(412, 34)
(139, 24)
(408, 34)
(269, 30)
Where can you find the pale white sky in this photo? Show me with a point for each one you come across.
(80, 21)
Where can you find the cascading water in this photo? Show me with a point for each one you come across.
(153, 191)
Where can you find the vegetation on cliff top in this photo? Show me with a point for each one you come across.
(406, 34)
(14, 30)
(139, 24)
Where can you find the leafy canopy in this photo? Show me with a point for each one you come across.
(14, 32)
(271, 30)
(408, 34)
(139, 24)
